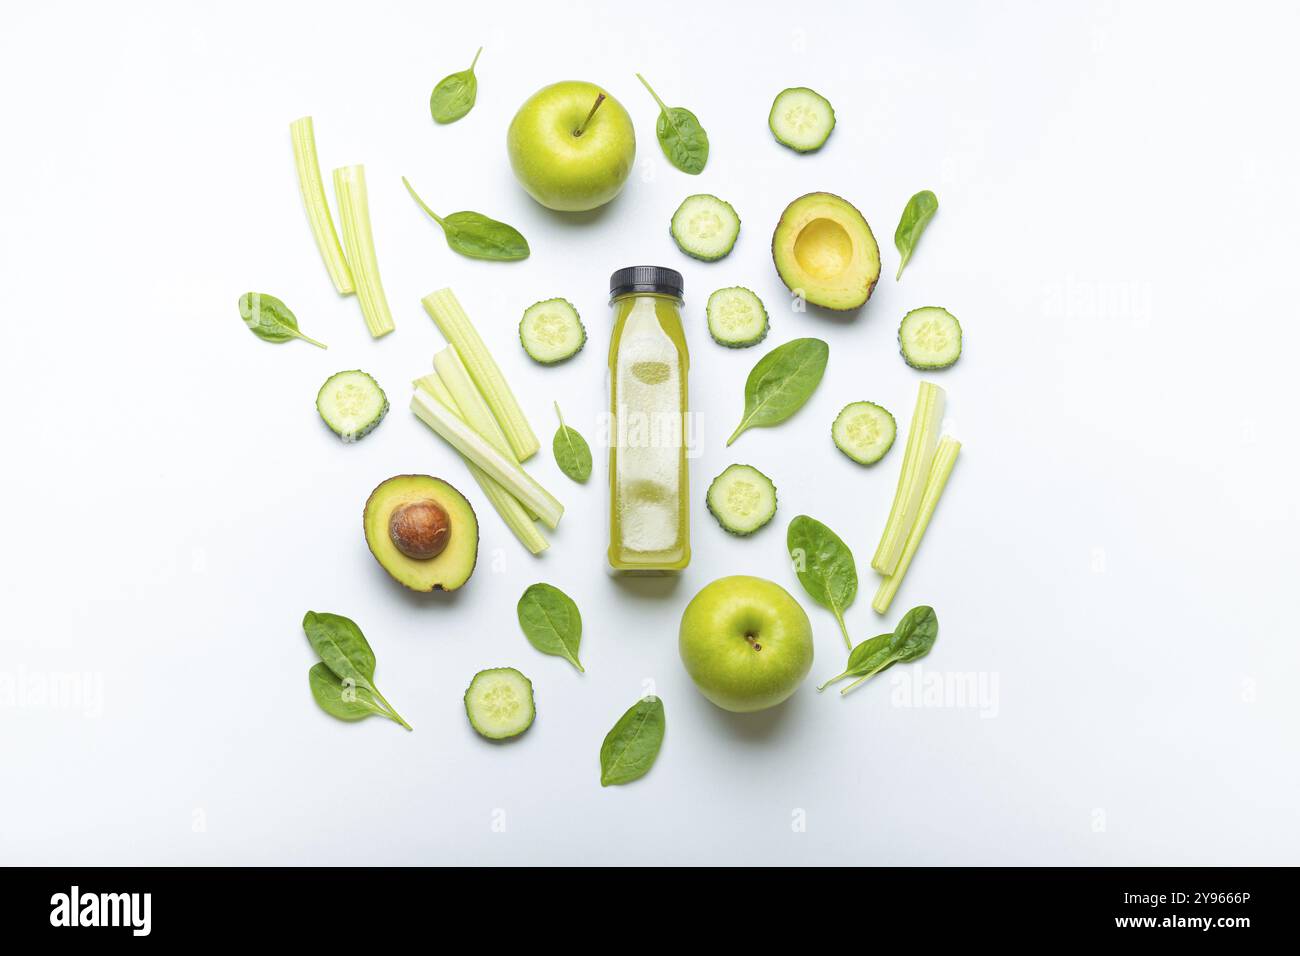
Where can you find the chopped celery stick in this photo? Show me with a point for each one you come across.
(518, 518)
(922, 437)
(318, 208)
(445, 310)
(473, 447)
(455, 378)
(508, 507)
(944, 458)
(354, 214)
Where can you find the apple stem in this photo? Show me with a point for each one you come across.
(753, 643)
(595, 106)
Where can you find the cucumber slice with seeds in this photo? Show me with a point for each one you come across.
(705, 227)
(801, 119)
(742, 498)
(351, 404)
(499, 703)
(736, 317)
(551, 331)
(930, 338)
(864, 431)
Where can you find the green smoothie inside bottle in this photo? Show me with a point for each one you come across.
(649, 486)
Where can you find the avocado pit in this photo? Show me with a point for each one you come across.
(420, 529)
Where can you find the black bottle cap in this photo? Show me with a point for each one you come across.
(655, 279)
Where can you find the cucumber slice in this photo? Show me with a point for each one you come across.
(705, 227)
(930, 337)
(551, 331)
(499, 703)
(352, 404)
(801, 119)
(864, 431)
(737, 318)
(742, 498)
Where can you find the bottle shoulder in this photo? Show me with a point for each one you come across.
(646, 317)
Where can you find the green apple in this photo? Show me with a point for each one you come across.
(746, 643)
(571, 146)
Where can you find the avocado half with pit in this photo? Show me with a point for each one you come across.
(423, 532)
(824, 251)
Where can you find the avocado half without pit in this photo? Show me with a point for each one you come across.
(423, 532)
(825, 251)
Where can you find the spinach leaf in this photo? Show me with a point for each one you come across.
(916, 633)
(479, 237)
(630, 748)
(681, 136)
(551, 622)
(454, 95)
(340, 699)
(824, 565)
(918, 212)
(474, 235)
(345, 651)
(340, 644)
(910, 640)
(571, 451)
(782, 381)
(270, 319)
(868, 657)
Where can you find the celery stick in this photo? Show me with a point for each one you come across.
(318, 209)
(473, 447)
(451, 369)
(444, 308)
(354, 214)
(922, 437)
(944, 458)
(455, 378)
(508, 507)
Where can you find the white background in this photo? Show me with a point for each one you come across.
(1117, 231)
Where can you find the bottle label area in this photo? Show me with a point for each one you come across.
(648, 441)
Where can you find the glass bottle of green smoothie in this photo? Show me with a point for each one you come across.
(649, 494)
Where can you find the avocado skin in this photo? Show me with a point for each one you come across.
(457, 506)
(777, 237)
